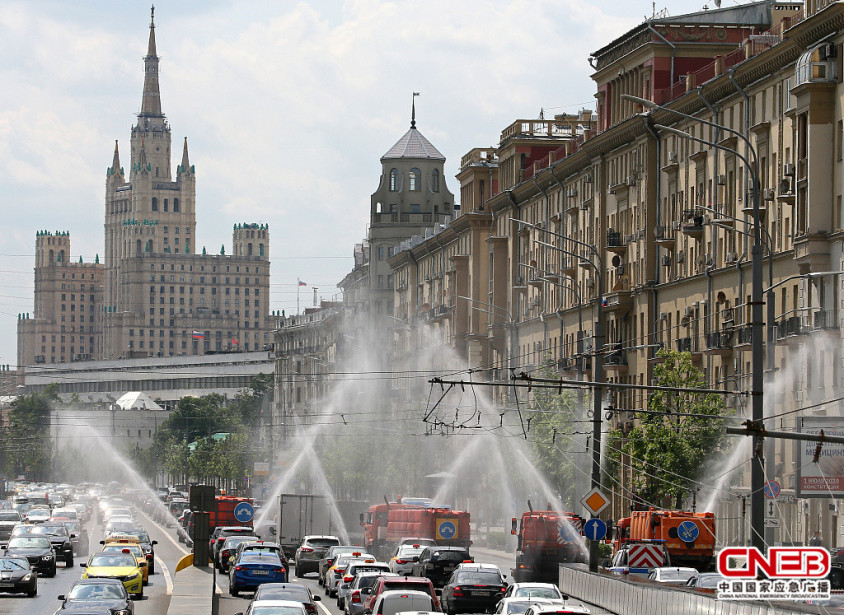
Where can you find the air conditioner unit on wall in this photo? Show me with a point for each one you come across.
(689, 312)
(788, 169)
(666, 261)
(681, 257)
(722, 180)
(672, 157)
(732, 257)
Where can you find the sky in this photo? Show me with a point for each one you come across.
(287, 108)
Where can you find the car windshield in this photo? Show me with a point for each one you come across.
(451, 556)
(479, 578)
(709, 581)
(265, 592)
(96, 591)
(675, 575)
(409, 551)
(259, 558)
(404, 586)
(537, 592)
(27, 542)
(261, 549)
(519, 606)
(142, 536)
(113, 560)
(354, 570)
(48, 530)
(14, 564)
(277, 610)
(72, 526)
(133, 549)
(9, 516)
(323, 542)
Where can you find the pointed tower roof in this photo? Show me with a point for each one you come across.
(142, 158)
(185, 167)
(115, 163)
(151, 102)
(413, 145)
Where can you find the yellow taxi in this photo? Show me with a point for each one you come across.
(116, 543)
(121, 565)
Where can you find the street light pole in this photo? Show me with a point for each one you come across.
(757, 468)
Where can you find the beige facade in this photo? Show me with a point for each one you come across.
(155, 294)
(656, 227)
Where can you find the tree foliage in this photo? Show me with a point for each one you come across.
(670, 446)
(26, 443)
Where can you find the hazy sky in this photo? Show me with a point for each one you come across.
(287, 107)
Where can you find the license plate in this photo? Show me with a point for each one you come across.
(480, 593)
(7, 584)
(267, 572)
(448, 568)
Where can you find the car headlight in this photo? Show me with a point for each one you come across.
(27, 577)
(46, 558)
(122, 612)
(132, 577)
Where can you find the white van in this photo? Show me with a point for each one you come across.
(397, 601)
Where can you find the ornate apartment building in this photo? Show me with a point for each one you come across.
(155, 294)
(657, 228)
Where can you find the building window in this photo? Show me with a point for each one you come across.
(394, 180)
(435, 181)
(414, 208)
(176, 208)
(154, 204)
(415, 180)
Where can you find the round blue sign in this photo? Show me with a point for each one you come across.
(567, 533)
(771, 489)
(447, 530)
(244, 512)
(688, 531)
(595, 529)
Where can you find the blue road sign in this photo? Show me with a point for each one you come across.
(446, 529)
(595, 529)
(688, 531)
(244, 512)
(771, 489)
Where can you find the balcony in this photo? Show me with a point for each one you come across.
(825, 319)
(692, 223)
(616, 361)
(551, 275)
(811, 251)
(535, 280)
(618, 301)
(686, 344)
(519, 284)
(790, 330)
(567, 364)
(719, 344)
(615, 243)
(744, 337)
(567, 266)
(664, 237)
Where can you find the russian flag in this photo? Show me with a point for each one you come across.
(198, 335)
(301, 283)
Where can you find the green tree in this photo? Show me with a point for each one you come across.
(670, 445)
(26, 442)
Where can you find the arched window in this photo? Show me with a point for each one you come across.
(165, 204)
(138, 246)
(176, 205)
(154, 204)
(394, 180)
(249, 249)
(260, 249)
(52, 257)
(415, 180)
(435, 181)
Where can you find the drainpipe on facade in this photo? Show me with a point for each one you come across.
(545, 260)
(514, 362)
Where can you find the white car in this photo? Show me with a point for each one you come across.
(672, 575)
(402, 561)
(400, 601)
(275, 607)
(552, 609)
(548, 591)
(516, 606)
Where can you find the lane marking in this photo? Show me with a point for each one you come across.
(167, 576)
(323, 607)
(165, 531)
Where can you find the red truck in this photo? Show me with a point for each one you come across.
(223, 515)
(689, 537)
(386, 525)
(547, 538)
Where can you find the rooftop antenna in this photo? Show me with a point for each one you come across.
(152, 16)
(413, 111)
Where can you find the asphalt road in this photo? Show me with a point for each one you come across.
(229, 605)
(156, 595)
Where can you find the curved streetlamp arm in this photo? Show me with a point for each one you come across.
(768, 238)
(592, 248)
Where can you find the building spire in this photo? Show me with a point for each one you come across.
(185, 160)
(151, 103)
(413, 111)
(115, 163)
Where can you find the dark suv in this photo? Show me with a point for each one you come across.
(437, 563)
(473, 589)
(311, 551)
(59, 537)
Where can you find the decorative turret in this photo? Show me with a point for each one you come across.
(52, 249)
(151, 102)
(115, 170)
(185, 167)
(251, 239)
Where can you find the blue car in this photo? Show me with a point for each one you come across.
(255, 568)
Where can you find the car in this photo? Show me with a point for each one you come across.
(262, 546)
(335, 574)
(64, 514)
(38, 515)
(328, 559)
(87, 595)
(146, 544)
(403, 558)
(78, 537)
(8, 520)
(288, 591)
(556, 609)
(228, 549)
(516, 606)
(311, 551)
(437, 563)
(219, 535)
(122, 546)
(353, 569)
(17, 576)
(386, 583)
(37, 550)
(360, 587)
(475, 590)
(120, 526)
(59, 537)
(706, 580)
(403, 601)
(274, 607)
(254, 569)
(672, 575)
(524, 591)
(122, 566)
(422, 542)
